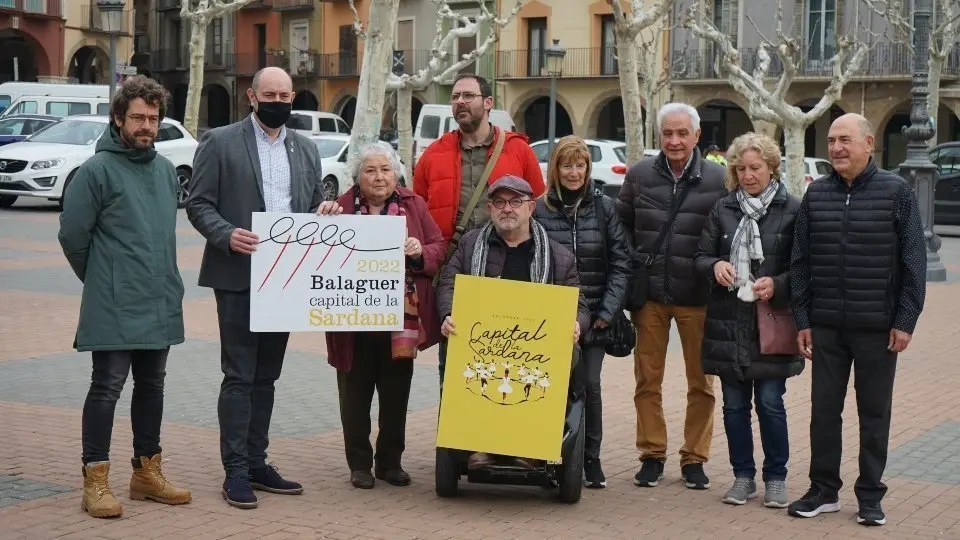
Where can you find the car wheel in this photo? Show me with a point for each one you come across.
(63, 193)
(183, 185)
(331, 188)
(6, 201)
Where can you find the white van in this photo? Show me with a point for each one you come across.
(308, 123)
(437, 119)
(57, 106)
(11, 91)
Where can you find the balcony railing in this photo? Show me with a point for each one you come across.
(93, 20)
(339, 65)
(883, 60)
(178, 59)
(292, 5)
(167, 5)
(49, 8)
(577, 63)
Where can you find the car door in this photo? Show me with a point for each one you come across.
(540, 150)
(947, 194)
(172, 144)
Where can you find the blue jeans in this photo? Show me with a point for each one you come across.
(772, 417)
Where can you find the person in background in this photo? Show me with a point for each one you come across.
(383, 361)
(118, 231)
(578, 216)
(714, 155)
(859, 283)
(745, 252)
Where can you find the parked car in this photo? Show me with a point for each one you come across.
(44, 164)
(608, 167)
(946, 198)
(437, 119)
(17, 128)
(333, 164)
(308, 123)
(813, 169)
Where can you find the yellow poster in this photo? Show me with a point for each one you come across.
(507, 376)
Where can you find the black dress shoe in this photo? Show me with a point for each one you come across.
(269, 480)
(238, 493)
(361, 479)
(394, 477)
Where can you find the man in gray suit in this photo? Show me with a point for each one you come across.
(255, 165)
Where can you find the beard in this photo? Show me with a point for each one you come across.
(472, 123)
(135, 139)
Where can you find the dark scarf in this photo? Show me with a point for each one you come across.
(404, 343)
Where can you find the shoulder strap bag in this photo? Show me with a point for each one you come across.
(620, 337)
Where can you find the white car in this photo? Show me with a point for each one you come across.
(608, 162)
(813, 168)
(337, 179)
(43, 164)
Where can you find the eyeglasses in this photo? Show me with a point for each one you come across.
(499, 204)
(141, 118)
(467, 97)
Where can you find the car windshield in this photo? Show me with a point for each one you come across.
(328, 147)
(621, 152)
(79, 132)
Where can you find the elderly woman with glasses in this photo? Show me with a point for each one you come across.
(383, 361)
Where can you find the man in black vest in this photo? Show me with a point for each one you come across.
(859, 281)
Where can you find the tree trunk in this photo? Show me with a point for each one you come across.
(647, 123)
(793, 141)
(405, 131)
(630, 94)
(935, 70)
(198, 41)
(377, 56)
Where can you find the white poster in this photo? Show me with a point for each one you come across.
(327, 273)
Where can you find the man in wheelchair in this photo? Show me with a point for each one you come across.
(514, 246)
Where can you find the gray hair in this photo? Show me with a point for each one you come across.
(371, 150)
(676, 107)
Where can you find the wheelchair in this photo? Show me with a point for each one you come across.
(565, 477)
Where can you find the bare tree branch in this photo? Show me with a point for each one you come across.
(357, 24)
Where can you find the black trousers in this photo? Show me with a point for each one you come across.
(374, 369)
(251, 364)
(592, 363)
(834, 353)
(110, 369)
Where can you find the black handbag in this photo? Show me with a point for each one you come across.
(620, 337)
(639, 290)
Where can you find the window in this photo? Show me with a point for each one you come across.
(608, 46)
(328, 147)
(621, 152)
(466, 45)
(168, 132)
(536, 45)
(67, 108)
(13, 126)
(430, 128)
(821, 30)
(948, 159)
(4, 102)
(824, 168)
(595, 154)
(449, 124)
(342, 126)
(103, 108)
(33, 126)
(79, 132)
(404, 44)
(300, 121)
(540, 150)
(327, 124)
(25, 107)
(217, 34)
(348, 50)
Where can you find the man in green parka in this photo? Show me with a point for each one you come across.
(118, 232)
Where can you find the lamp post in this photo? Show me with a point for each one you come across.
(554, 54)
(918, 170)
(111, 15)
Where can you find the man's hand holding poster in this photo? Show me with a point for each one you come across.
(327, 273)
(508, 367)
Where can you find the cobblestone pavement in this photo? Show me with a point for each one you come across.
(43, 382)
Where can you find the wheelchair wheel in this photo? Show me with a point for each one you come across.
(571, 477)
(446, 473)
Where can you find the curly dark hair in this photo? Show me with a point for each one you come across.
(135, 87)
(485, 89)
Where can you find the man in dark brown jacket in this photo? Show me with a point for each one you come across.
(510, 246)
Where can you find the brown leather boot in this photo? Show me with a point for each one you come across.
(148, 482)
(98, 499)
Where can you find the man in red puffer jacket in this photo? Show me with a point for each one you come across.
(450, 169)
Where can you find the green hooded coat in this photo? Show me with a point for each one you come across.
(118, 232)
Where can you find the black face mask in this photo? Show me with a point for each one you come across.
(273, 114)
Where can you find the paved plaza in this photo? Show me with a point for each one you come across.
(43, 383)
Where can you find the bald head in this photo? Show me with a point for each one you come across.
(850, 144)
(272, 76)
(271, 96)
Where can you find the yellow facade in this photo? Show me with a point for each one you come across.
(87, 45)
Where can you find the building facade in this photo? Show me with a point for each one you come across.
(87, 43)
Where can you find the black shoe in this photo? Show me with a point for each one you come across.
(269, 480)
(362, 479)
(651, 473)
(394, 477)
(814, 503)
(593, 474)
(871, 514)
(238, 492)
(694, 477)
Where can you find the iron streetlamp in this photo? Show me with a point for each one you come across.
(918, 170)
(111, 15)
(554, 54)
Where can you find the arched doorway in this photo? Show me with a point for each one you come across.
(721, 121)
(178, 106)
(415, 107)
(536, 120)
(89, 65)
(348, 109)
(19, 57)
(218, 105)
(305, 100)
(894, 144)
(610, 122)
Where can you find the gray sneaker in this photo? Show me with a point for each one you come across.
(743, 489)
(775, 494)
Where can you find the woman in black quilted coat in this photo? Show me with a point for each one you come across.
(745, 253)
(576, 214)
